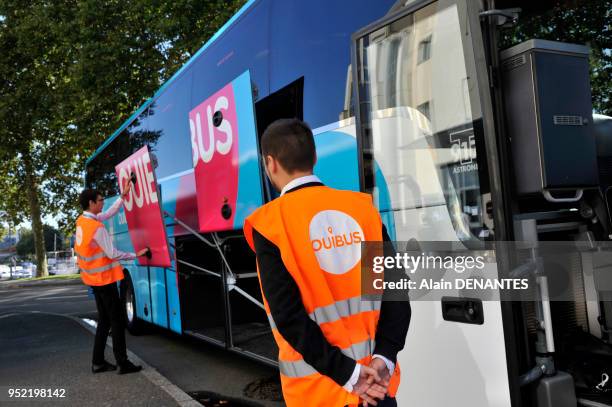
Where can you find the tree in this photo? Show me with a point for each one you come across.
(5, 225)
(33, 104)
(582, 22)
(71, 72)
(53, 240)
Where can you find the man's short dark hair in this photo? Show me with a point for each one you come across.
(88, 195)
(290, 141)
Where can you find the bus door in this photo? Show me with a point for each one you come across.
(422, 150)
(224, 146)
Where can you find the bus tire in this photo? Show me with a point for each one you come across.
(134, 325)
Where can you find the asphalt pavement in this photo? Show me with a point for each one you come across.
(51, 352)
(51, 349)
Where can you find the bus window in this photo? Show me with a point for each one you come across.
(168, 128)
(243, 46)
(317, 46)
(100, 173)
(421, 129)
(101, 170)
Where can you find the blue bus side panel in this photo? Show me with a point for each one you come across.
(250, 196)
(117, 225)
(170, 197)
(169, 191)
(158, 296)
(171, 276)
(337, 160)
(173, 301)
(140, 279)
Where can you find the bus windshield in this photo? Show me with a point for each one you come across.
(421, 126)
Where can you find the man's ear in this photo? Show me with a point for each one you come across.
(272, 164)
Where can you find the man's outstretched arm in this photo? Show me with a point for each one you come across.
(110, 212)
(103, 239)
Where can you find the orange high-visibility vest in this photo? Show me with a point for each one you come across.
(319, 231)
(96, 268)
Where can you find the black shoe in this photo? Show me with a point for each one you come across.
(104, 367)
(129, 367)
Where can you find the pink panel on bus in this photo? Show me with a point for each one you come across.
(214, 141)
(142, 209)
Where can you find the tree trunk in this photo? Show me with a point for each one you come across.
(31, 189)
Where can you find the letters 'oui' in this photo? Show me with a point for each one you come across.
(205, 151)
(143, 190)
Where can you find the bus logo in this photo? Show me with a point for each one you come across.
(335, 238)
(144, 192)
(209, 137)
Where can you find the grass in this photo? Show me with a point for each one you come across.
(56, 277)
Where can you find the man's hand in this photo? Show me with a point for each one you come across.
(127, 186)
(142, 252)
(370, 386)
(381, 368)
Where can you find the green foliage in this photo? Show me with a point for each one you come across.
(581, 22)
(25, 246)
(71, 72)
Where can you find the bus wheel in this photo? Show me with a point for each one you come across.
(133, 324)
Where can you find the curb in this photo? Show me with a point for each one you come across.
(182, 399)
(12, 284)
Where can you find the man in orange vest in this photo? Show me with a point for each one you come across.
(100, 269)
(336, 347)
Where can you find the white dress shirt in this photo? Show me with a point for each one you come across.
(299, 181)
(103, 239)
(355, 376)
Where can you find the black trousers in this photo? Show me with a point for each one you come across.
(110, 315)
(388, 402)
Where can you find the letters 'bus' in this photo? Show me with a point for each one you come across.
(405, 100)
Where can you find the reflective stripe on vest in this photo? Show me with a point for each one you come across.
(344, 308)
(299, 368)
(341, 309)
(92, 258)
(101, 269)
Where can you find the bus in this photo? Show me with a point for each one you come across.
(413, 102)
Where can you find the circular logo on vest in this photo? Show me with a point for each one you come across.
(79, 236)
(336, 240)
